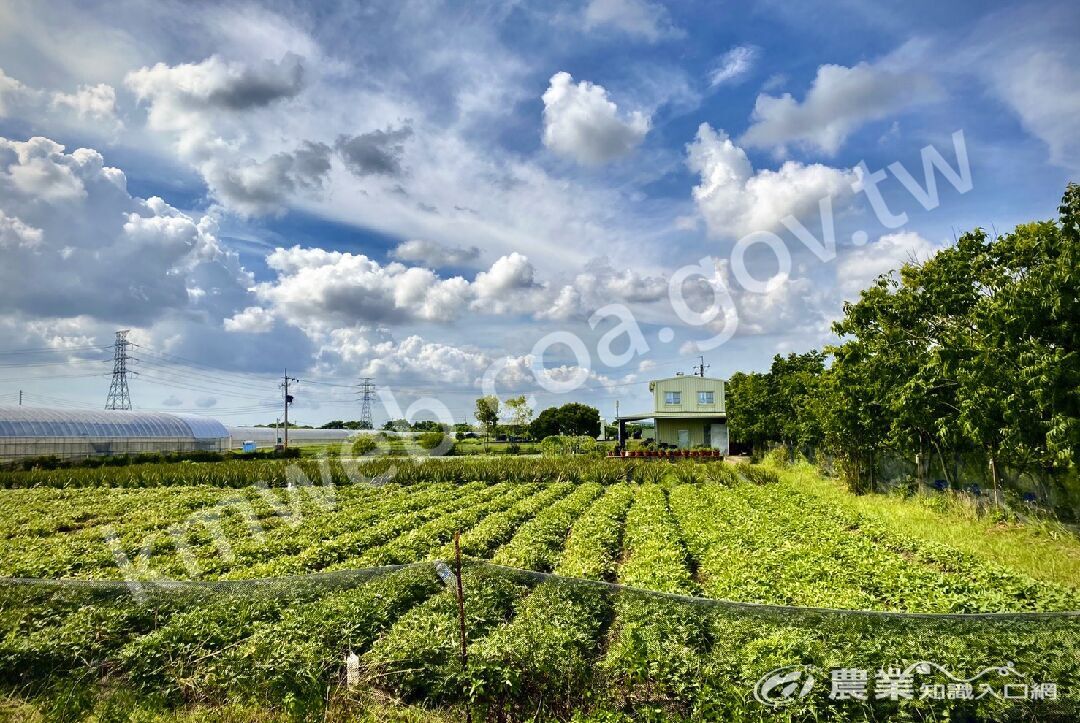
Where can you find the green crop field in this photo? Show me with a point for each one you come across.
(595, 590)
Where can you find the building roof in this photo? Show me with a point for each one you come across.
(670, 415)
(45, 422)
(687, 376)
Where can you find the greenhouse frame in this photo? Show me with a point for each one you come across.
(67, 434)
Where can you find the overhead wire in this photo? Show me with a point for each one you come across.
(180, 373)
(53, 349)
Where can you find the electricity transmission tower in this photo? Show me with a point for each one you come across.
(367, 396)
(118, 390)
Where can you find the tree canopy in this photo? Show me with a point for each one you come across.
(572, 420)
(975, 350)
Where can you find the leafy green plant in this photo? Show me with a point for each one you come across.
(364, 444)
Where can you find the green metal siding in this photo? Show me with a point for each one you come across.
(688, 387)
(667, 430)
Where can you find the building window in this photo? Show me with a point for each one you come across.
(672, 397)
(704, 397)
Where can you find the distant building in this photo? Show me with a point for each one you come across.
(268, 437)
(689, 411)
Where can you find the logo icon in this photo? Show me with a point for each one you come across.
(785, 685)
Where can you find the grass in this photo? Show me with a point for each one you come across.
(1042, 550)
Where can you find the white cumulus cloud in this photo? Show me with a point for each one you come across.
(581, 123)
(88, 102)
(68, 218)
(252, 320)
(206, 107)
(92, 102)
(735, 199)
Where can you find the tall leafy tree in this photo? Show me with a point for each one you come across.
(520, 413)
(487, 413)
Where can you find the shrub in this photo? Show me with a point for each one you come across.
(777, 457)
(559, 445)
(364, 444)
(431, 440)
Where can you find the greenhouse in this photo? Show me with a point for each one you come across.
(66, 433)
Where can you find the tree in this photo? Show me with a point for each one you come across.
(778, 405)
(793, 382)
(487, 413)
(747, 402)
(572, 419)
(520, 414)
(972, 352)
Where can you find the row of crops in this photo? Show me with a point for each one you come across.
(337, 471)
(585, 638)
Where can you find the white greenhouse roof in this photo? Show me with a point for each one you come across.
(45, 422)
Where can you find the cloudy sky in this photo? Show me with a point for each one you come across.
(422, 192)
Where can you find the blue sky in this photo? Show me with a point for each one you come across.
(422, 192)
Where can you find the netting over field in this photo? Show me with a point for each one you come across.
(590, 589)
(536, 643)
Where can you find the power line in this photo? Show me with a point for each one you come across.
(53, 349)
(58, 401)
(201, 386)
(200, 366)
(50, 377)
(57, 362)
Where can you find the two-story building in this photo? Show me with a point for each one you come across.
(689, 411)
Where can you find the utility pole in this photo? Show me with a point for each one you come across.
(119, 398)
(702, 366)
(367, 392)
(288, 401)
(618, 427)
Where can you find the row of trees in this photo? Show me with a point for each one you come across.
(973, 353)
(342, 424)
(573, 419)
(404, 425)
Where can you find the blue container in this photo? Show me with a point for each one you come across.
(249, 446)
